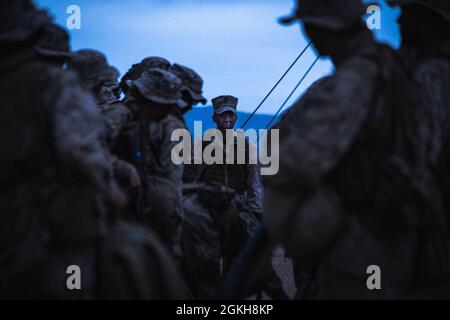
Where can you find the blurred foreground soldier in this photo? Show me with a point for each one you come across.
(138, 69)
(153, 99)
(95, 74)
(353, 190)
(56, 184)
(99, 78)
(431, 46)
(54, 172)
(222, 211)
(53, 43)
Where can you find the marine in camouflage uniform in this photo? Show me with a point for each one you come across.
(128, 137)
(56, 183)
(153, 98)
(222, 212)
(243, 178)
(353, 189)
(99, 78)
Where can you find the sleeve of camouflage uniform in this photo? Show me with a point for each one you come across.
(323, 124)
(172, 171)
(254, 183)
(76, 123)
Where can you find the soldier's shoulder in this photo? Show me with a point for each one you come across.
(58, 78)
(172, 122)
(363, 66)
(57, 88)
(65, 93)
(316, 133)
(358, 71)
(314, 92)
(63, 82)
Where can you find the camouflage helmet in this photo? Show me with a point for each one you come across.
(223, 104)
(192, 82)
(91, 67)
(20, 20)
(160, 86)
(53, 41)
(330, 14)
(441, 7)
(138, 69)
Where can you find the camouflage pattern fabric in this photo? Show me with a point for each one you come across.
(55, 174)
(135, 265)
(201, 243)
(159, 138)
(320, 214)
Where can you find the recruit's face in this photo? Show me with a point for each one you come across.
(225, 120)
(106, 94)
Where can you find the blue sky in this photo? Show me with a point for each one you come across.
(237, 46)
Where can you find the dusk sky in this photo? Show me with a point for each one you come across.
(237, 46)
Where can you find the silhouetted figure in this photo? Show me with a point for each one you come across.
(353, 188)
(57, 187)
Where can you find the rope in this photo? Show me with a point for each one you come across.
(292, 93)
(276, 85)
